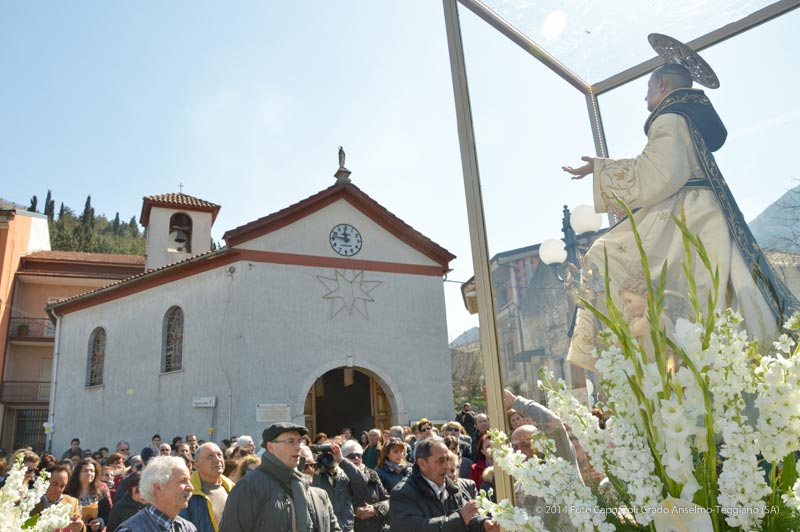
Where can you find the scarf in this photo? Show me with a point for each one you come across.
(397, 469)
(291, 480)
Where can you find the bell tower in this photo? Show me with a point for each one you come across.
(178, 227)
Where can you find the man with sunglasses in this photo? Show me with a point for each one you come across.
(275, 496)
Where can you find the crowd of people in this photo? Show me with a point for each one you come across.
(403, 478)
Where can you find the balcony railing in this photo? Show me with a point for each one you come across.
(31, 328)
(24, 392)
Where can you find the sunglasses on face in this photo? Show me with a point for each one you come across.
(354, 456)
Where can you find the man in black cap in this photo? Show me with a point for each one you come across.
(274, 496)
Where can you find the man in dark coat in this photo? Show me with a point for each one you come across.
(275, 495)
(467, 419)
(428, 501)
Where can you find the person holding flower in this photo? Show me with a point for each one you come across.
(55, 495)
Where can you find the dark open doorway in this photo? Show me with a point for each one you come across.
(346, 397)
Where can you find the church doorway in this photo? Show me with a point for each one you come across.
(347, 397)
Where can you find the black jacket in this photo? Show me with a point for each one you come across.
(367, 489)
(124, 508)
(415, 507)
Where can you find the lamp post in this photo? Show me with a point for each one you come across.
(583, 219)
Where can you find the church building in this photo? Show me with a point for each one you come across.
(328, 313)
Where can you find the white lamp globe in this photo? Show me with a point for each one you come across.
(552, 251)
(583, 219)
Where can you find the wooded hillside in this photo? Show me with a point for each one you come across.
(87, 232)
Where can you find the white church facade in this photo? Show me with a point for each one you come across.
(328, 313)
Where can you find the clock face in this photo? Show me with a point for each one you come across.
(345, 240)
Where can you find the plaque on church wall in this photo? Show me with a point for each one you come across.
(204, 402)
(272, 412)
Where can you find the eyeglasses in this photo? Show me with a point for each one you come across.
(354, 456)
(30, 469)
(310, 466)
(138, 467)
(290, 441)
(426, 429)
(452, 429)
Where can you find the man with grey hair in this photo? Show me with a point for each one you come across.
(244, 446)
(429, 500)
(123, 448)
(481, 428)
(210, 489)
(374, 448)
(166, 487)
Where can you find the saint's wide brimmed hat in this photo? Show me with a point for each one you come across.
(674, 51)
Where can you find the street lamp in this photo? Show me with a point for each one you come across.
(582, 220)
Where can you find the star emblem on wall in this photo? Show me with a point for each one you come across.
(348, 291)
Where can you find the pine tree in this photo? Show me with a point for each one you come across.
(61, 211)
(49, 205)
(34, 203)
(84, 233)
(115, 225)
(134, 227)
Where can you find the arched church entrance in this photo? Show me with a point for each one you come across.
(347, 397)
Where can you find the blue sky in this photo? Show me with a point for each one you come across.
(247, 103)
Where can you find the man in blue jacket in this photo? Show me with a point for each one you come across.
(210, 489)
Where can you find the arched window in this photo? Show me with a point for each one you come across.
(180, 232)
(172, 345)
(97, 357)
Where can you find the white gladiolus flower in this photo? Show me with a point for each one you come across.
(687, 336)
(17, 501)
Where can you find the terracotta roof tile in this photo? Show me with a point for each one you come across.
(179, 201)
(76, 256)
(48, 273)
(144, 274)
